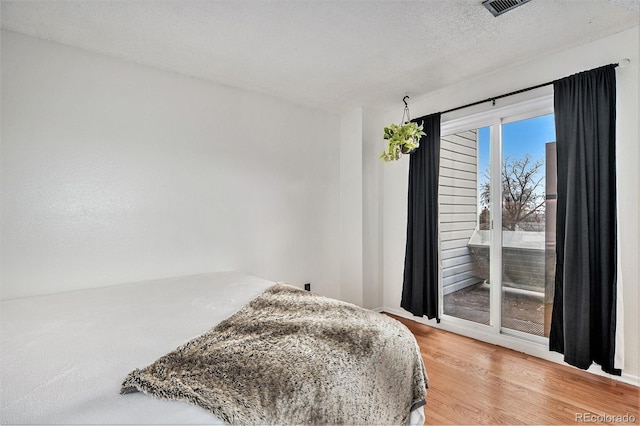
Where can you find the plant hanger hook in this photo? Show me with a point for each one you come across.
(405, 113)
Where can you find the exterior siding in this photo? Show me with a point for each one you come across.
(458, 209)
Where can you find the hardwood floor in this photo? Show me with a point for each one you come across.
(472, 382)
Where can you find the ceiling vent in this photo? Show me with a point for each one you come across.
(498, 7)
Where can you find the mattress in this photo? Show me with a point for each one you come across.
(63, 357)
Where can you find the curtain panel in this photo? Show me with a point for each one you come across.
(583, 325)
(420, 284)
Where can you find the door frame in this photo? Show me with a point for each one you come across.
(494, 118)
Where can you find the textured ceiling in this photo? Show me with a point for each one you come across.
(328, 54)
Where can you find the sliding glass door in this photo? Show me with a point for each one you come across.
(464, 225)
(497, 218)
(528, 148)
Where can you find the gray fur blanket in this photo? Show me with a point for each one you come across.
(294, 357)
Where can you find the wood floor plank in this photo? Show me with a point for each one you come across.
(472, 382)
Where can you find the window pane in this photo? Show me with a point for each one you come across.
(526, 270)
(464, 224)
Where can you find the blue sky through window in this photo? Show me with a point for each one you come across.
(518, 139)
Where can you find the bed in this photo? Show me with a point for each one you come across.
(65, 357)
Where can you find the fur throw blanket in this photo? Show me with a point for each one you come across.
(294, 357)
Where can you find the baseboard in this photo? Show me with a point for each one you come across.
(530, 348)
(629, 379)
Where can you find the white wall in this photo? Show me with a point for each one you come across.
(350, 248)
(372, 244)
(539, 70)
(114, 172)
(360, 207)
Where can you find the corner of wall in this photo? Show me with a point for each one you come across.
(351, 268)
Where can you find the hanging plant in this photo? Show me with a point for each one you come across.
(401, 139)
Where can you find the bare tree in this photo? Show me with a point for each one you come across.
(522, 193)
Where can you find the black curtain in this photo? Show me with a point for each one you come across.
(420, 285)
(583, 324)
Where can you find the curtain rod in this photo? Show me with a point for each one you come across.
(494, 98)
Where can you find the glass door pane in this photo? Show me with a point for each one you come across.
(528, 249)
(464, 224)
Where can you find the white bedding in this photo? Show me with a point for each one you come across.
(63, 357)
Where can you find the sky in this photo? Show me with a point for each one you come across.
(518, 139)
